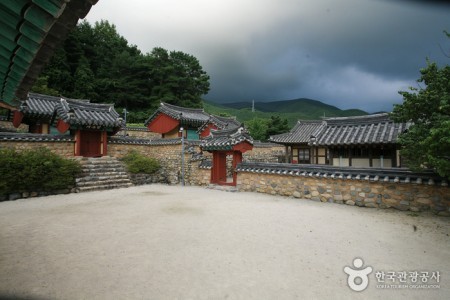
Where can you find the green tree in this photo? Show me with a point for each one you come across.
(97, 63)
(84, 85)
(426, 144)
(41, 87)
(177, 78)
(276, 125)
(258, 128)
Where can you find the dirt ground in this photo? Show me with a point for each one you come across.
(172, 242)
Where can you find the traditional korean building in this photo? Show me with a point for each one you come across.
(362, 141)
(223, 144)
(89, 123)
(218, 123)
(196, 123)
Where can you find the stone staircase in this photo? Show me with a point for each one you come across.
(101, 173)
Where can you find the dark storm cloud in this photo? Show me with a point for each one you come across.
(349, 53)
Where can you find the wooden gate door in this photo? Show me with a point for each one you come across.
(90, 143)
(219, 168)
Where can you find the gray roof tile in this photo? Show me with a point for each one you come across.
(371, 129)
(189, 116)
(225, 139)
(395, 175)
(301, 133)
(359, 130)
(72, 111)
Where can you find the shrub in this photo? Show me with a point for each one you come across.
(35, 170)
(138, 163)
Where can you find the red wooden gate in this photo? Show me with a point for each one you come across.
(90, 143)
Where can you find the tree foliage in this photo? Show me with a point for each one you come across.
(427, 142)
(262, 129)
(35, 171)
(95, 62)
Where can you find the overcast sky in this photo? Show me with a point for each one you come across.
(347, 53)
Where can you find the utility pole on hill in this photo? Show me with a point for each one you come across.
(253, 106)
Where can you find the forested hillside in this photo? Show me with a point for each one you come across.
(97, 63)
(292, 110)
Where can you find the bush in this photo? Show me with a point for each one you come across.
(138, 163)
(35, 171)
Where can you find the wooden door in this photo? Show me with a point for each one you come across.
(90, 143)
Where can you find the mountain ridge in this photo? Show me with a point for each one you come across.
(293, 110)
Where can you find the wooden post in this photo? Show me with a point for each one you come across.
(286, 155)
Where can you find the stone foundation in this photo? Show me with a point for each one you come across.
(403, 196)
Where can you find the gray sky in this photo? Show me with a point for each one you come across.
(347, 53)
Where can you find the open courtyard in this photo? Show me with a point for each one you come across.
(172, 242)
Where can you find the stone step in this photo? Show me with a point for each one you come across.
(103, 182)
(102, 187)
(105, 173)
(102, 178)
(103, 170)
(102, 173)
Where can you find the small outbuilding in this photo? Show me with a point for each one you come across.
(89, 123)
(168, 120)
(227, 147)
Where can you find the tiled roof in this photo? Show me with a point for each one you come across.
(136, 141)
(40, 106)
(226, 139)
(206, 164)
(395, 175)
(72, 111)
(31, 30)
(221, 123)
(188, 116)
(33, 137)
(94, 115)
(371, 129)
(301, 133)
(359, 130)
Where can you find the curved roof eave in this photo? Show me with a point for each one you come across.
(31, 32)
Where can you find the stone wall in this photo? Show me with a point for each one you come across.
(379, 194)
(168, 155)
(141, 133)
(63, 148)
(264, 152)
(198, 176)
(8, 126)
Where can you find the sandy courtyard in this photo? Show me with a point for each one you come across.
(170, 242)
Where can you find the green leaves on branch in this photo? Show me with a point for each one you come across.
(262, 129)
(97, 63)
(427, 142)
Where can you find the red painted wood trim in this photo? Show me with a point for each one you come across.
(17, 118)
(62, 126)
(207, 130)
(163, 124)
(243, 147)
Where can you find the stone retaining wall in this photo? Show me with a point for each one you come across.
(141, 133)
(403, 196)
(62, 148)
(8, 126)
